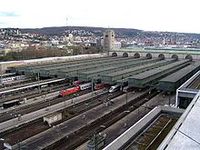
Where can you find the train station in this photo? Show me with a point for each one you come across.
(124, 100)
(99, 75)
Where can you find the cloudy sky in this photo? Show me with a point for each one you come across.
(150, 15)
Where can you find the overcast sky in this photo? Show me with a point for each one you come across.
(149, 15)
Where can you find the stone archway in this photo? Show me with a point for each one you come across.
(174, 56)
(161, 56)
(148, 55)
(125, 54)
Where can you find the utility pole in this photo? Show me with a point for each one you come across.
(1, 78)
(19, 146)
(169, 98)
(92, 84)
(38, 78)
(66, 24)
(66, 21)
(1, 74)
(126, 97)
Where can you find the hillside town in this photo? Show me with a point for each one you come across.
(79, 41)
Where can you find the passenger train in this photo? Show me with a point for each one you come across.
(114, 88)
(10, 79)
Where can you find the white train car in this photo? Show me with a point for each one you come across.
(85, 86)
(11, 79)
(6, 80)
(114, 88)
(22, 77)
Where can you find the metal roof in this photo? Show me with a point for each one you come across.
(149, 64)
(70, 63)
(181, 73)
(114, 66)
(98, 64)
(98, 70)
(42, 63)
(81, 66)
(29, 85)
(155, 71)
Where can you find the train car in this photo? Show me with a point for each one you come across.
(22, 77)
(75, 89)
(128, 89)
(100, 86)
(11, 104)
(11, 79)
(76, 83)
(69, 91)
(114, 88)
(6, 80)
(85, 86)
(44, 86)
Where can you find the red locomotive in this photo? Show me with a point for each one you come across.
(75, 89)
(69, 91)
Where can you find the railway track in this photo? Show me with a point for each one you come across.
(36, 106)
(195, 83)
(118, 128)
(6, 85)
(82, 135)
(38, 126)
(153, 136)
(34, 93)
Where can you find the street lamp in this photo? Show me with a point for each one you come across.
(74, 99)
(38, 78)
(92, 84)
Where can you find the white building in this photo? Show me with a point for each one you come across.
(71, 38)
(55, 42)
(117, 45)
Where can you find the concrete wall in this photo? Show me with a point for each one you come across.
(178, 124)
(140, 125)
(128, 134)
(183, 91)
(167, 54)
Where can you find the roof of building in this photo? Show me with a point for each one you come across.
(149, 63)
(185, 134)
(155, 71)
(181, 73)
